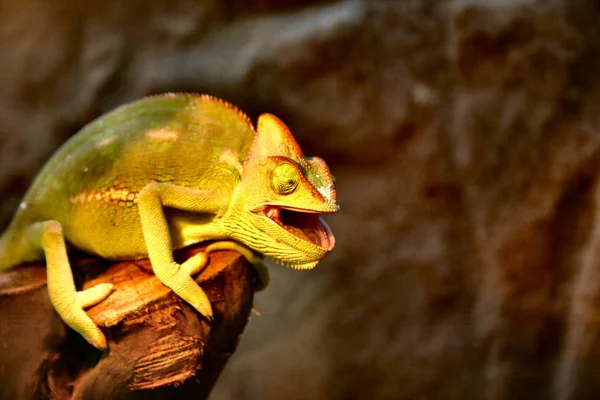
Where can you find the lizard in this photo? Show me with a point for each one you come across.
(166, 172)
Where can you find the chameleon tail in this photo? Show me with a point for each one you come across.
(10, 250)
(4, 251)
(19, 245)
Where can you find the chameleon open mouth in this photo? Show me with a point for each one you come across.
(304, 224)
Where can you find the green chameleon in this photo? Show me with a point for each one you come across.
(163, 173)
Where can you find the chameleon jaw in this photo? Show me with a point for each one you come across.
(303, 224)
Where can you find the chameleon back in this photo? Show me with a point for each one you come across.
(92, 182)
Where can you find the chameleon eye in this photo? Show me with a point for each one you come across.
(285, 178)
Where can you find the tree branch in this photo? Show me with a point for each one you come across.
(159, 347)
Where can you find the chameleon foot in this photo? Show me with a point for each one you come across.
(65, 298)
(79, 321)
(191, 267)
(198, 300)
(71, 311)
(198, 261)
(253, 258)
(185, 287)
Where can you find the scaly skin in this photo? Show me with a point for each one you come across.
(163, 173)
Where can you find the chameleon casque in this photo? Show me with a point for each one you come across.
(163, 173)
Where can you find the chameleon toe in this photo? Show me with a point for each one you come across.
(194, 264)
(94, 295)
(98, 341)
(80, 322)
(204, 308)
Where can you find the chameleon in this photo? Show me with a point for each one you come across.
(166, 172)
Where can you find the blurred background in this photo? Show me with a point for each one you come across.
(464, 136)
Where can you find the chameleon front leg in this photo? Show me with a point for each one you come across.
(196, 263)
(67, 301)
(151, 201)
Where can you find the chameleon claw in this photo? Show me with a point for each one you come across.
(205, 310)
(99, 342)
(78, 320)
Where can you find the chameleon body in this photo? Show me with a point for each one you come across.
(163, 173)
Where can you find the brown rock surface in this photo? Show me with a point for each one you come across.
(464, 138)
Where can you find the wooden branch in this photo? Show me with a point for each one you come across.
(159, 347)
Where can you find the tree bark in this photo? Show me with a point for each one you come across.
(158, 346)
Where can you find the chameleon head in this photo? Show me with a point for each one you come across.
(275, 210)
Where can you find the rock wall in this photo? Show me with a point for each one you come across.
(464, 138)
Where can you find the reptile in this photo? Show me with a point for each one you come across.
(166, 172)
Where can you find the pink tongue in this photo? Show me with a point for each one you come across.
(313, 236)
(309, 234)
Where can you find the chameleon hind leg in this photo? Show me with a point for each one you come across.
(67, 301)
(198, 261)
